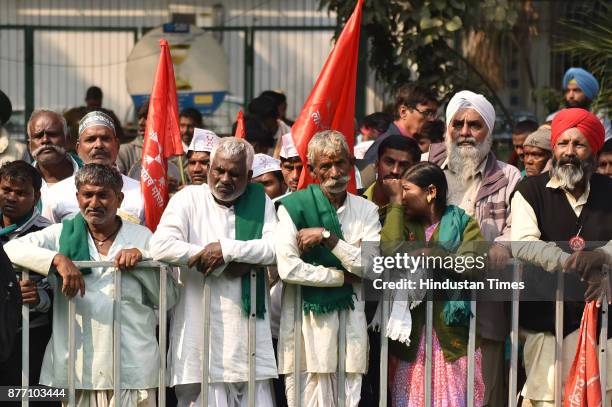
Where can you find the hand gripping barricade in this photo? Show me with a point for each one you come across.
(341, 375)
(163, 270)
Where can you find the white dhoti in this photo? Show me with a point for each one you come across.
(224, 394)
(320, 389)
(539, 354)
(106, 398)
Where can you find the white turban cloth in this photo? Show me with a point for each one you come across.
(470, 100)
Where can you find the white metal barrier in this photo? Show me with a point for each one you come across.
(341, 375)
(25, 339)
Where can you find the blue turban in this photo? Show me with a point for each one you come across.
(586, 81)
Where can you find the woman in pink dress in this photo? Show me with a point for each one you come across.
(426, 217)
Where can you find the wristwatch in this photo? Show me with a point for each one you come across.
(325, 234)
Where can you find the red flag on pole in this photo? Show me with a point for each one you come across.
(162, 139)
(331, 104)
(240, 130)
(583, 388)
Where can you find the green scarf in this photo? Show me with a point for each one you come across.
(74, 241)
(250, 210)
(310, 208)
(11, 228)
(453, 223)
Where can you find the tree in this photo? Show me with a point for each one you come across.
(592, 44)
(446, 44)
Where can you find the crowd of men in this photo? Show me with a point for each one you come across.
(235, 207)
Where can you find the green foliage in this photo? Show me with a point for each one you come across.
(592, 44)
(425, 36)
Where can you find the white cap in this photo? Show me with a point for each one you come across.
(263, 163)
(203, 140)
(288, 149)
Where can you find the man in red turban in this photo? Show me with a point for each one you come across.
(562, 221)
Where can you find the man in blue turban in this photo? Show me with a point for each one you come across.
(581, 88)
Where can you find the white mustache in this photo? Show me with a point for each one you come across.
(98, 210)
(57, 149)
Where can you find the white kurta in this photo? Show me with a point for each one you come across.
(94, 313)
(45, 186)
(361, 229)
(191, 221)
(60, 201)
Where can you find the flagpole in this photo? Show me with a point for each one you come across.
(182, 170)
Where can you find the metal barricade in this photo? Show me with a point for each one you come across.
(513, 391)
(297, 362)
(252, 340)
(71, 363)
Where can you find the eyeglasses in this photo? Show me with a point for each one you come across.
(432, 114)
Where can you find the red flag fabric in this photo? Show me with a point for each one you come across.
(240, 130)
(331, 104)
(583, 387)
(162, 139)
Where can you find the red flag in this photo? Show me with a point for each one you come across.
(162, 139)
(240, 130)
(583, 387)
(331, 104)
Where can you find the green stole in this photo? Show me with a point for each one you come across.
(250, 209)
(310, 208)
(74, 241)
(453, 223)
(11, 228)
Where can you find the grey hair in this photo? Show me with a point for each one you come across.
(38, 112)
(326, 142)
(99, 175)
(234, 147)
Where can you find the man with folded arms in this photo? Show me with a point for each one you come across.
(220, 230)
(97, 233)
(321, 235)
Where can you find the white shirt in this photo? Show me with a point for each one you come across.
(462, 193)
(94, 313)
(60, 201)
(192, 220)
(45, 186)
(359, 223)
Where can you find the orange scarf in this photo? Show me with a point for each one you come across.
(583, 388)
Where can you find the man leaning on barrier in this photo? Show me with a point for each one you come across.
(220, 230)
(97, 233)
(321, 234)
(561, 220)
(20, 186)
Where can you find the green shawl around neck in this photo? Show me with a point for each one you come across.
(74, 240)
(11, 228)
(250, 211)
(310, 208)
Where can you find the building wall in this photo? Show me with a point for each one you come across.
(67, 61)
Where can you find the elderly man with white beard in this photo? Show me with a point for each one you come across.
(221, 230)
(565, 218)
(482, 186)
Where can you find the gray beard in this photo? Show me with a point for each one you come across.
(570, 176)
(464, 161)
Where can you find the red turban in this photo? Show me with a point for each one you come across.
(585, 121)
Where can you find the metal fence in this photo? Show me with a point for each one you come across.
(341, 375)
